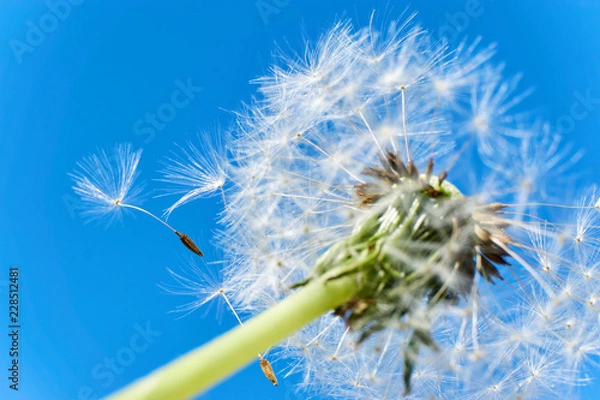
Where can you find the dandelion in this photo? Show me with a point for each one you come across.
(105, 181)
(374, 196)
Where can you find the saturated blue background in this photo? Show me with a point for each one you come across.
(83, 86)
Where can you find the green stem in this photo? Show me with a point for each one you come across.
(201, 368)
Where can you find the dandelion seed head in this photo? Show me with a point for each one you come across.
(412, 165)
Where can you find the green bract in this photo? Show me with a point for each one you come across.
(419, 248)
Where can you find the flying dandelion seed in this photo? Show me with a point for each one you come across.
(380, 168)
(105, 182)
(205, 288)
(195, 172)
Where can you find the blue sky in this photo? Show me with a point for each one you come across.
(90, 294)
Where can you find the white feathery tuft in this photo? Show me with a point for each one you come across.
(105, 179)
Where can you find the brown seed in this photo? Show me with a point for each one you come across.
(267, 369)
(482, 234)
(429, 169)
(442, 177)
(495, 208)
(189, 243)
(413, 171)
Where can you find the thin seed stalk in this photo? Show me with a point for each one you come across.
(198, 370)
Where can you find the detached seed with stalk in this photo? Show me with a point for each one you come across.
(185, 239)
